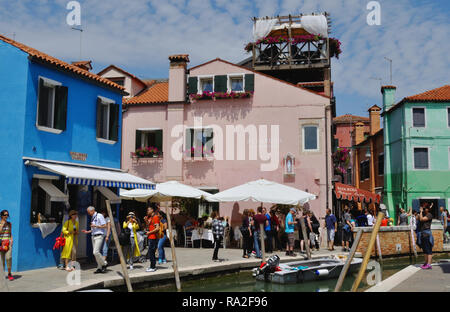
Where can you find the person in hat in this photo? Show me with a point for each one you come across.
(132, 250)
(70, 231)
(289, 229)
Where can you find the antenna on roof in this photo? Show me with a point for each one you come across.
(376, 78)
(390, 67)
(81, 31)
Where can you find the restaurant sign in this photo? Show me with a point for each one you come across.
(350, 192)
(78, 156)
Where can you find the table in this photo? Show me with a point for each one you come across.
(201, 233)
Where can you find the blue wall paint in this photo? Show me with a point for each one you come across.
(18, 97)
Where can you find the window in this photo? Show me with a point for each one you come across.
(206, 84)
(418, 117)
(146, 138)
(119, 80)
(46, 206)
(364, 170)
(199, 142)
(381, 164)
(310, 138)
(52, 106)
(236, 83)
(449, 157)
(421, 160)
(448, 116)
(107, 120)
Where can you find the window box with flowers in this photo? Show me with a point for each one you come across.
(147, 152)
(207, 95)
(199, 154)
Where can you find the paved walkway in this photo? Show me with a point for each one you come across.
(191, 261)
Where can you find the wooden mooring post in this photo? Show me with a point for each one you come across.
(305, 238)
(349, 261)
(172, 248)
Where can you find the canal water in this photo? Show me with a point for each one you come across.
(243, 281)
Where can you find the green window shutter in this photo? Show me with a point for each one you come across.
(249, 82)
(114, 122)
(159, 140)
(61, 107)
(192, 85)
(43, 98)
(99, 117)
(415, 205)
(188, 143)
(220, 83)
(138, 138)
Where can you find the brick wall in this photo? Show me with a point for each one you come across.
(391, 236)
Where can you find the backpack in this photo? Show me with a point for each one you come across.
(124, 237)
(161, 229)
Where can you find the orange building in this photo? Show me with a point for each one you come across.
(368, 156)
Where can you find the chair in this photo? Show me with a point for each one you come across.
(226, 237)
(187, 239)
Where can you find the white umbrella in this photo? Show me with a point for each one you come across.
(164, 192)
(265, 192)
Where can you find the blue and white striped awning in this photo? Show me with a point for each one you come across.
(95, 177)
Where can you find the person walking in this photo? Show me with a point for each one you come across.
(70, 231)
(251, 215)
(6, 242)
(152, 219)
(258, 219)
(246, 235)
(107, 236)
(218, 231)
(315, 225)
(403, 217)
(346, 229)
(425, 239)
(444, 222)
(162, 237)
(331, 226)
(268, 231)
(275, 226)
(132, 250)
(98, 233)
(289, 229)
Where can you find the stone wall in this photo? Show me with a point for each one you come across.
(396, 240)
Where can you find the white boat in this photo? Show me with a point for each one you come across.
(303, 270)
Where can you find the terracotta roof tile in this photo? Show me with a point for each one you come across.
(179, 57)
(350, 118)
(60, 64)
(441, 94)
(122, 71)
(157, 93)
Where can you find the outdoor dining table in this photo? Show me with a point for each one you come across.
(202, 234)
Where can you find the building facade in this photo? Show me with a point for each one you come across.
(61, 147)
(417, 149)
(227, 126)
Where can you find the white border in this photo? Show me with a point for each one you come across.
(49, 83)
(237, 75)
(303, 138)
(448, 116)
(413, 159)
(199, 78)
(424, 117)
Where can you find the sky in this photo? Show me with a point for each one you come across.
(138, 36)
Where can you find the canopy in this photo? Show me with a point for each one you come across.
(110, 195)
(349, 192)
(265, 192)
(55, 194)
(94, 176)
(164, 192)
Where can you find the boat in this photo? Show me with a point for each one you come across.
(304, 270)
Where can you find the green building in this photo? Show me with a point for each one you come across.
(417, 150)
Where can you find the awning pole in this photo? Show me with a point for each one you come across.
(119, 249)
(172, 247)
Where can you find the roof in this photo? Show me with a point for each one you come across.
(348, 118)
(122, 71)
(441, 94)
(179, 57)
(38, 55)
(259, 73)
(156, 93)
(83, 64)
(364, 142)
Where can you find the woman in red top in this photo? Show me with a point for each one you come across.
(152, 219)
(6, 239)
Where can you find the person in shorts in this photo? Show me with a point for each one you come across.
(346, 230)
(330, 225)
(425, 239)
(289, 229)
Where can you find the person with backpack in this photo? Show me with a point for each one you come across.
(162, 237)
(268, 231)
(246, 235)
(152, 219)
(132, 249)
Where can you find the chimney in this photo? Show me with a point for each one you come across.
(388, 96)
(374, 115)
(86, 65)
(359, 132)
(177, 77)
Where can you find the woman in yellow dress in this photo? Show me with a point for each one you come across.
(132, 250)
(70, 232)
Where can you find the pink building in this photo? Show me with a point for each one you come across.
(272, 129)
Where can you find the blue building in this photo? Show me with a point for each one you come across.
(60, 149)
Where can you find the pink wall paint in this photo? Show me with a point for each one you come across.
(274, 103)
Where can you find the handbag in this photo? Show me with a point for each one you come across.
(4, 245)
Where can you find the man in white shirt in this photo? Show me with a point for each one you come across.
(98, 233)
